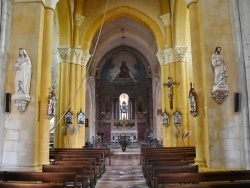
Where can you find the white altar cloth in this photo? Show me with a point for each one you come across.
(132, 133)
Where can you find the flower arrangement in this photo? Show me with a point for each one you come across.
(69, 132)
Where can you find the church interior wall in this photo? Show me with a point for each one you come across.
(21, 129)
(221, 121)
(240, 24)
(224, 129)
(5, 35)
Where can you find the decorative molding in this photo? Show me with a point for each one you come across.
(21, 101)
(85, 58)
(166, 19)
(161, 57)
(220, 92)
(76, 56)
(169, 55)
(78, 19)
(189, 2)
(51, 3)
(180, 54)
(64, 53)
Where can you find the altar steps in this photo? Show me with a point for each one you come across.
(133, 148)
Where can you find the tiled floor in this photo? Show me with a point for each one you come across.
(124, 172)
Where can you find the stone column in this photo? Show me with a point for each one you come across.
(44, 127)
(82, 93)
(180, 89)
(166, 19)
(63, 93)
(198, 82)
(78, 20)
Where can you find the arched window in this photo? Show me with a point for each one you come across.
(124, 99)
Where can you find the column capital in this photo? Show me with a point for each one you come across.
(166, 19)
(189, 2)
(76, 55)
(180, 53)
(78, 19)
(50, 4)
(64, 53)
(85, 57)
(169, 55)
(161, 57)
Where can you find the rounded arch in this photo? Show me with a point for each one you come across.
(123, 12)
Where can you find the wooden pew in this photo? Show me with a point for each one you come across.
(98, 169)
(106, 151)
(195, 178)
(30, 185)
(212, 185)
(152, 150)
(147, 158)
(88, 169)
(170, 169)
(147, 162)
(98, 157)
(62, 177)
(79, 170)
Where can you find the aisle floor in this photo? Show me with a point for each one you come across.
(125, 172)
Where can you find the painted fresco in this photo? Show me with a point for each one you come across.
(123, 68)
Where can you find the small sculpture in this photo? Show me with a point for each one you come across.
(220, 89)
(22, 80)
(51, 104)
(192, 101)
(220, 72)
(170, 84)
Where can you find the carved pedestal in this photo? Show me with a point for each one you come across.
(220, 92)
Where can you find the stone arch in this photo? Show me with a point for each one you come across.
(123, 12)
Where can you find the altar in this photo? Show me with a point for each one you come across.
(132, 133)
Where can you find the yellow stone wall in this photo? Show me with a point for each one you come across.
(22, 128)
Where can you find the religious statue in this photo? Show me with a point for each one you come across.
(220, 89)
(51, 104)
(23, 73)
(170, 84)
(22, 80)
(192, 101)
(220, 72)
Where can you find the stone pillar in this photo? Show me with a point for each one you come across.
(166, 19)
(44, 127)
(78, 20)
(63, 93)
(85, 58)
(180, 89)
(198, 83)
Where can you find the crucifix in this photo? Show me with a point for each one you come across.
(170, 84)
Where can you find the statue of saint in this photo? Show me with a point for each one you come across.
(220, 72)
(23, 73)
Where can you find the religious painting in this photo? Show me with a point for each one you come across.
(106, 106)
(140, 106)
(165, 119)
(80, 118)
(177, 118)
(123, 68)
(68, 118)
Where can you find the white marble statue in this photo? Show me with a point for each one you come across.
(23, 73)
(220, 72)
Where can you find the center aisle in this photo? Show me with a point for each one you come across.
(125, 172)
